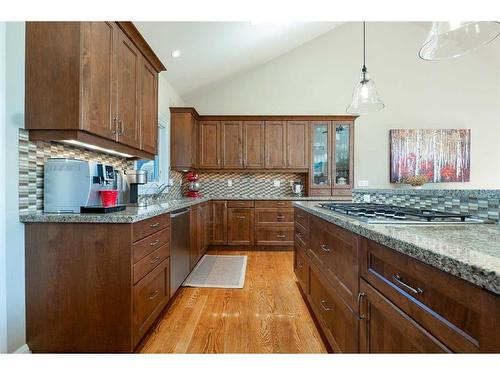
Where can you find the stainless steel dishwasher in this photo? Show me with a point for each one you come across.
(179, 248)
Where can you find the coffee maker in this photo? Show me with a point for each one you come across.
(135, 178)
(297, 188)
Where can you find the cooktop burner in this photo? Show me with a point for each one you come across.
(374, 213)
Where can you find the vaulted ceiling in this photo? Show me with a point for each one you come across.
(214, 51)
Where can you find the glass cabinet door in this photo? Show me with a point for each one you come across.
(320, 159)
(342, 155)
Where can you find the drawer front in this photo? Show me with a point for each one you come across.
(150, 262)
(301, 237)
(338, 321)
(274, 216)
(274, 236)
(302, 218)
(151, 294)
(240, 204)
(273, 204)
(335, 251)
(149, 244)
(301, 268)
(149, 226)
(448, 307)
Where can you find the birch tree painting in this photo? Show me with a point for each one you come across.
(441, 155)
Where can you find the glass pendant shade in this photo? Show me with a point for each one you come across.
(452, 39)
(365, 97)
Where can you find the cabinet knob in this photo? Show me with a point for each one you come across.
(325, 248)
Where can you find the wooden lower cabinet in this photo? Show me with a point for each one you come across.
(219, 223)
(240, 226)
(301, 269)
(199, 232)
(385, 328)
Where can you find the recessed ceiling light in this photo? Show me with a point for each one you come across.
(176, 53)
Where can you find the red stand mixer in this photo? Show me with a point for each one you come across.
(194, 185)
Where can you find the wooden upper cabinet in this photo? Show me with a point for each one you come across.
(253, 144)
(95, 82)
(210, 144)
(297, 144)
(127, 83)
(148, 107)
(183, 138)
(231, 141)
(98, 86)
(275, 132)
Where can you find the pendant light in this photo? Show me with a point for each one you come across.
(365, 98)
(452, 39)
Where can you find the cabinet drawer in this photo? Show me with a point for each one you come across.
(150, 262)
(149, 226)
(274, 216)
(339, 322)
(301, 237)
(273, 204)
(147, 245)
(240, 204)
(301, 268)
(302, 218)
(335, 251)
(448, 307)
(274, 236)
(151, 294)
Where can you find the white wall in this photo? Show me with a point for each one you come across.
(15, 230)
(318, 78)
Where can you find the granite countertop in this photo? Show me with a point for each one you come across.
(468, 251)
(135, 214)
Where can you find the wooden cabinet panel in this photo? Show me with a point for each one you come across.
(339, 322)
(297, 144)
(253, 144)
(387, 329)
(219, 223)
(232, 147)
(149, 226)
(240, 204)
(301, 269)
(275, 144)
(302, 218)
(240, 226)
(150, 262)
(274, 236)
(184, 128)
(273, 204)
(148, 107)
(301, 237)
(210, 148)
(98, 94)
(277, 217)
(147, 245)
(128, 84)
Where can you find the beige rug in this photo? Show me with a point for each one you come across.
(218, 271)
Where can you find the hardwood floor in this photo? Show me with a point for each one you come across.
(268, 315)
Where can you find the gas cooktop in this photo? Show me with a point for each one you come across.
(375, 213)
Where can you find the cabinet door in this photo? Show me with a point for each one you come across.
(240, 222)
(98, 93)
(253, 144)
(209, 144)
(320, 164)
(275, 144)
(300, 268)
(297, 144)
(342, 157)
(219, 223)
(386, 329)
(128, 86)
(194, 236)
(232, 148)
(149, 107)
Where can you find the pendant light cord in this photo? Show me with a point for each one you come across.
(364, 47)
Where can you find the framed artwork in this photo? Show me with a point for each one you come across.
(441, 155)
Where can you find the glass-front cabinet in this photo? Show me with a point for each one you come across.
(332, 159)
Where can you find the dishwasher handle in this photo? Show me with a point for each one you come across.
(179, 213)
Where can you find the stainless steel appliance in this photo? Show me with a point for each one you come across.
(375, 213)
(70, 184)
(179, 248)
(134, 179)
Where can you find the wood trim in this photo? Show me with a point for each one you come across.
(278, 117)
(190, 110)
(82, 136)
(251, 170)
(139, 41)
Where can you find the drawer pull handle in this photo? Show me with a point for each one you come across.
(154, 294)
(280, 203)
(325, 248)
(324, 305)
(154, 225)
(155, 260)
(361, 295)
(241, 217)
(280, 217)
(299, 216)
(281, 236)
(299, 264)
(398, 280)
(154, 243)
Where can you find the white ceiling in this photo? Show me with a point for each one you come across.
(213, 51)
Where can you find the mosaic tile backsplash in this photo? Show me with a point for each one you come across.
(482, 204)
